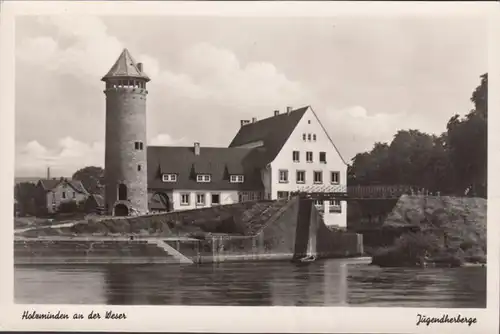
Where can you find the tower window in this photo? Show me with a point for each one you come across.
(139, 145)
(122, 192)
(139, 168)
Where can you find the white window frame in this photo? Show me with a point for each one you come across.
(203, 178)
(298, 156)
(169, 177)
(314, 177)
(198, 203)
(332, 181)
(334, 206)
(297, 176)
(188, 196)
(285, 172)
(237, 178)
(309, 156)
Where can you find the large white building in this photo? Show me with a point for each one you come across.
(267, 159)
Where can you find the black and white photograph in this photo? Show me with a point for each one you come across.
(295, 161)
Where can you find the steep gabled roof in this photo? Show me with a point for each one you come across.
(219, 162)
(273, 131)
(49, 184)
(125, 67)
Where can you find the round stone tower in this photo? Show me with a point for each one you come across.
(125, 170)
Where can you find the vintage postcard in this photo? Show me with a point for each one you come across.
(250, 167)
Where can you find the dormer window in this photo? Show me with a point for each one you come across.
(169, 178)
(203, 178)
(237, 179)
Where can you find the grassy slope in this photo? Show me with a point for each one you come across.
(238, 219)
(450, 232)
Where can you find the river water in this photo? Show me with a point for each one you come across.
(323, 283)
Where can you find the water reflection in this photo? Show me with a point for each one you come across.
(329, 283)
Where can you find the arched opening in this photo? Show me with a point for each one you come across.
(122, 192)
(121, 210)
(160, 202)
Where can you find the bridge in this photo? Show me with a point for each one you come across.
(358, 192)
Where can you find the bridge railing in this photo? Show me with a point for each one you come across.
(343, 191)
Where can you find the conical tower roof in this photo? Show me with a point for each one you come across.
(125, 67)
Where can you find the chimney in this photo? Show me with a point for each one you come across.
(276, 112)
(48, 173)
(288, 110)
(139, 67)
(254, 119)
(244, 122)
(196, 148)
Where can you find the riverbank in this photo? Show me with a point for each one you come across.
(434, 232)
(250, 231)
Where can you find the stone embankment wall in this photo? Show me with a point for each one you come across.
(267, 230)
(89, 252)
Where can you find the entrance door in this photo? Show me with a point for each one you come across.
(121, 210)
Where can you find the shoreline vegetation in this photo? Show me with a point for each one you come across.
(434, 232)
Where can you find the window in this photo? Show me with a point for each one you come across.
(283, 194)
(309, 136)
(308, 121)
(139, 168)
(318, 202)
(215, 198)
(322, 157)
(184, 199)
(314, 137)
(237, 179)
(200, 199)
(318, 177)
(335, 177)
(301, 176)
(334, 202)
(122, 192)
(74, 194)
(304, 137)
(309, 156)
(283, 176)
(139, 145)
(203, 178)
(63, 194)
(334, 206)
(169, 177)
(296, 156)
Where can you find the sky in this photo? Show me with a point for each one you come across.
(365, 77)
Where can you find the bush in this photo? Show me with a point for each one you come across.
(68, 207)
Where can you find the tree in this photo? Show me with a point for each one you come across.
(468, 142)
(91, 177)
(449, 163)
(26, 195)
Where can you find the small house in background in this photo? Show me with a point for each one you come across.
(54, 192)
(94, 204)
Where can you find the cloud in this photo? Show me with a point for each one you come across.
(70, 154)
(66, 158)
(164, 139)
